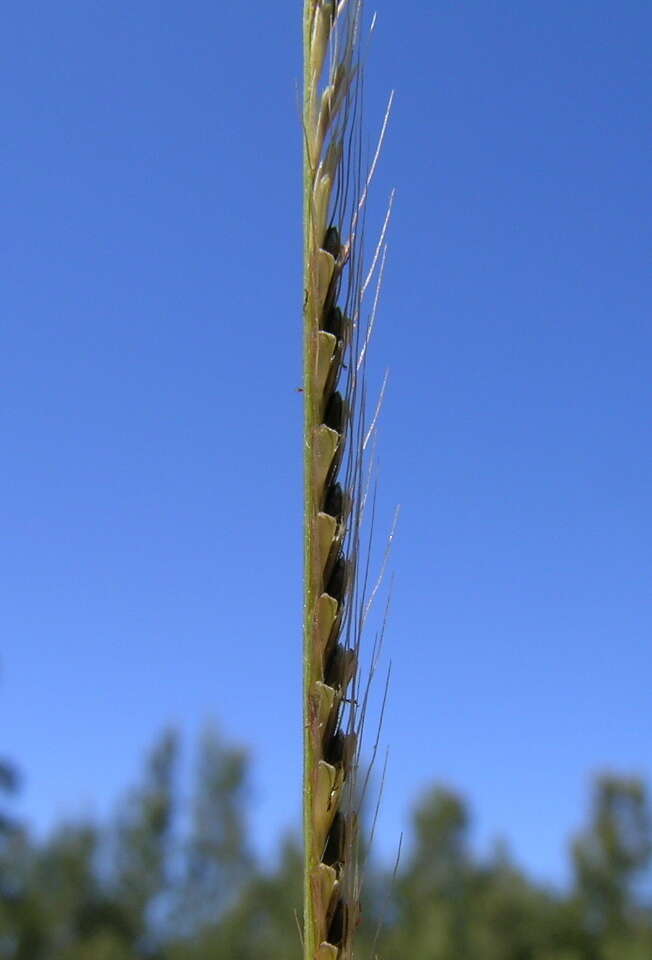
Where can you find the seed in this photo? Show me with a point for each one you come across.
(334, 502)
(334, 413)
(337, 926)
(334, 851)
(337, 581)
(332, 242)
(334, 322)
(334, 669)
(334, 749)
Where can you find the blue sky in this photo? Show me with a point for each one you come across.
(150, 360)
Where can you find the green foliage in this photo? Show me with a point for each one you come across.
(168, 881)
(217, 863)
(143, 837)
(612, 853)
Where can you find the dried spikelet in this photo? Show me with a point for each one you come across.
(336, 435)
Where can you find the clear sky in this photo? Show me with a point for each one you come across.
(151, 424)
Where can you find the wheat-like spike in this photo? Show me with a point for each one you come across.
(336, 435)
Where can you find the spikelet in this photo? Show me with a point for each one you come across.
(335, 436)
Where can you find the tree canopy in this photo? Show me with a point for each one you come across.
(168, 879)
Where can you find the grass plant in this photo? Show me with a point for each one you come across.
(337, 439)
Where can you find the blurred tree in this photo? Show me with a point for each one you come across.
(508, 917)
(102, 946)
(432, 890)
(440, 861)
(22, 933)
(160, 885)
(63, 880)
(263, 923)
(143, 846)
(611, 855)
(217, 861)
(9, 829)
(8, 786)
